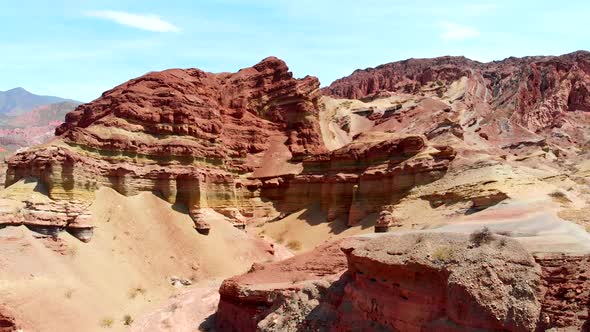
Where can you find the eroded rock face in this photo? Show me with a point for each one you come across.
(412, 282)
(243, 144)
(510, 103)
(567, 299)
(248, 299)
(7, 321)
(425, 282)
(188, 135)
(361, 177)
(533, 87)
(51, 217)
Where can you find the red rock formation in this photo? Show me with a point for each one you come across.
(361, 177)
(207, 140)
(7, 321)
(188, 135)
(413, 282)
(567, 298)
(546, 95)
(245, 300)
(408, 283)
(216, 118)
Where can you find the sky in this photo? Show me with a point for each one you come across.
(79, 48)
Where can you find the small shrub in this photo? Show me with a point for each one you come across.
(106, 322)
(127, 320)
(72, 251)
(443, 254)
(173, 307)
(346, 104)
(559, 196)
(419, 238)
(482, 236)
(134, 292)
(502, 242)
(68, 294)
(294, 245)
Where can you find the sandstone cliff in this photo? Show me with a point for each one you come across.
(412, 282)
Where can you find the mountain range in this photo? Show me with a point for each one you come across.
(27, 119)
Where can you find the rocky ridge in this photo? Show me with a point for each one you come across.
(412, 282)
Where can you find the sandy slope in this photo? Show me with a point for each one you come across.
(308, 228)
(139, 243)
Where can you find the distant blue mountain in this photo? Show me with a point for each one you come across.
(18, 100)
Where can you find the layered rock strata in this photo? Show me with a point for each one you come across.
(509, 104)
(50, 217)
(413, 282)
(191, 136)
(361, 177)
(246, 144)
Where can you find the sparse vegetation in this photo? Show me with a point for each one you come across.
(294, 245)
(173, 307)
(419, 238)
(106, 322)
(481, 236)
(134, 292)
(127, 320)
(166, 323)
(559, 196)
(346, 104)
(443, 254)
(72, 251)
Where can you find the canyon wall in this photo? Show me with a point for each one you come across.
(412, 282)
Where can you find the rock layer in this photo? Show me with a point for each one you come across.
(508, 102)
(244, 144)
(412, 282)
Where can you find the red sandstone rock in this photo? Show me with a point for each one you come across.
(216, 117)
(7, 321)
(543, 96)
(409, 282)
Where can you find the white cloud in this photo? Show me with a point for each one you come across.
(144, 22)
(454, 31)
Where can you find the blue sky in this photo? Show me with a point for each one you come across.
(79, 48)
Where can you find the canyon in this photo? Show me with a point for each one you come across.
(428, 194)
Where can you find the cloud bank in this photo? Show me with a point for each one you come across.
(144, 22)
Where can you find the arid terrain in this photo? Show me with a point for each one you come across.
(438, 194)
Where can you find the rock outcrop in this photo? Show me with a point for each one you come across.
(243, 144)
(510, 103)
(7, 321)
(191, 136)
(50, 217)
(412, 282)
(361, 177)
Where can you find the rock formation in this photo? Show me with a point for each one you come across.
(531, 100)
(212, 140)
(412, 282)
(421, 142)
(185, 134)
